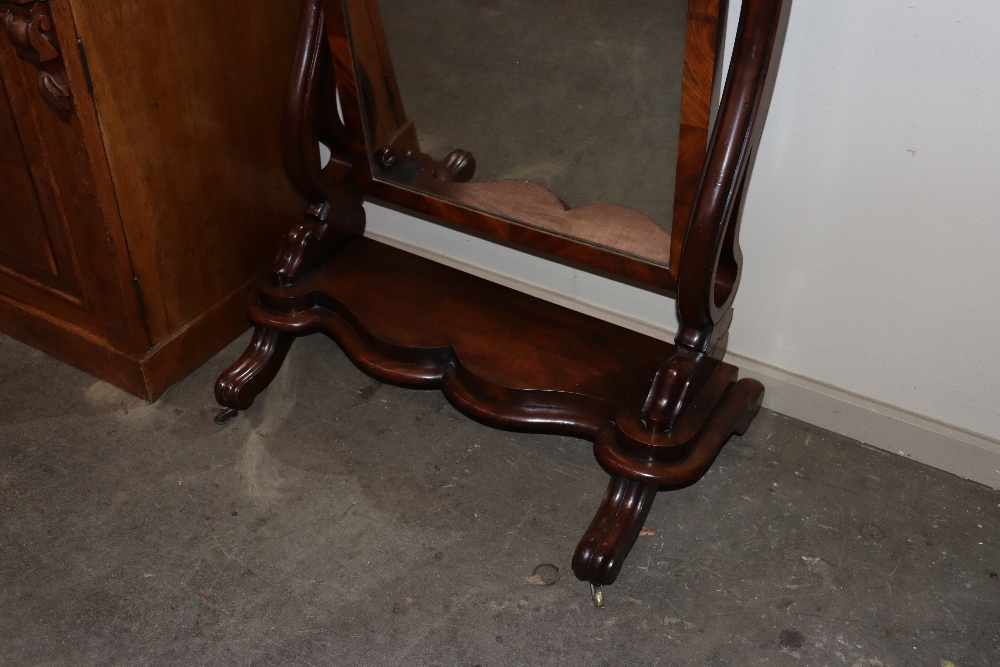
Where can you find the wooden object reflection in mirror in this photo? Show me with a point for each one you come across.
(657, 413)
(555, 87)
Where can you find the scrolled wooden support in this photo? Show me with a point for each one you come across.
(668, 393)
(307, 107)
(308, 243)
(642, 463)
(645, 456)
(695, 403)
(244, 380)
(29, 28)
(334, 214)
(710, 265)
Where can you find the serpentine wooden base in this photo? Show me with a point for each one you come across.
(511, 361)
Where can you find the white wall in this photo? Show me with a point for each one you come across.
(870, 232)
(871, 228)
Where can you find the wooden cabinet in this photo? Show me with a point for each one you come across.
(141, 184)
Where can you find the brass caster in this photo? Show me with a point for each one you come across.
(222, 415)
(597, 592)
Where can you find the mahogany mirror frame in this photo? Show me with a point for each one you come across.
(385, 122)
(657, 413)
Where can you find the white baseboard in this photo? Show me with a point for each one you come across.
(958, 451)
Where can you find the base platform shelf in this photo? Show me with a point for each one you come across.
(657, 413)
(512, 361)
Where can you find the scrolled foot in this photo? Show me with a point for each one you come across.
(609, 538)
(237, 388)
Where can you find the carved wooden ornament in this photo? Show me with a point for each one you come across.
(29, 28)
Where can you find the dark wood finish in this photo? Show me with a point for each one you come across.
(57, 250)
(658, 414)
(525, 213)
(711, 260)
(617, 229)
(191, 138)
(373, 299)
(536, 238)
(28, 25)
(141, 191)
(702, 56)
(519, 212)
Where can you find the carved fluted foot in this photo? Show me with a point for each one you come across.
(642, 463)
(609, 538)
(237, 388)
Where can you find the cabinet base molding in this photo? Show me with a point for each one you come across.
(146, 375)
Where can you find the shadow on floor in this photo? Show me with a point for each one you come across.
(345, 522)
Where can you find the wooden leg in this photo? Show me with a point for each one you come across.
(237, 388)
(642, 462)
(609, 538)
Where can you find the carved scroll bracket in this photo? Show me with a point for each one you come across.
(29, 28)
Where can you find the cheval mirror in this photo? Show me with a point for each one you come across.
(590, 144)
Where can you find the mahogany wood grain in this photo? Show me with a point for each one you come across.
(24, 247)
(658, 413)
(384, 291)
(529, 236)
(506, 358)
(586, 243)
(710, 266)
(58, 204)
(29, 28)
(177, 356)
(98, 174)
(73, 345)
(702, 51)
(190, 128)
(192, 204)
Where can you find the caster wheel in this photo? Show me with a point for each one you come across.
(597, 592)
(225, 414)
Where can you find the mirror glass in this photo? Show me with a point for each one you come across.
(560, 105)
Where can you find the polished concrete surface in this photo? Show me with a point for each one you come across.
(345, 522)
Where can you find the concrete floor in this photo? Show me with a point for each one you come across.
(345, 522)
(581, 97)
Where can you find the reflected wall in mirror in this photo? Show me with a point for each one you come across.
(587, 120)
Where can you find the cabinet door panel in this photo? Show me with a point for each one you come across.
(55, 253)
(33, 246)
(23, 237)
(191, 129)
